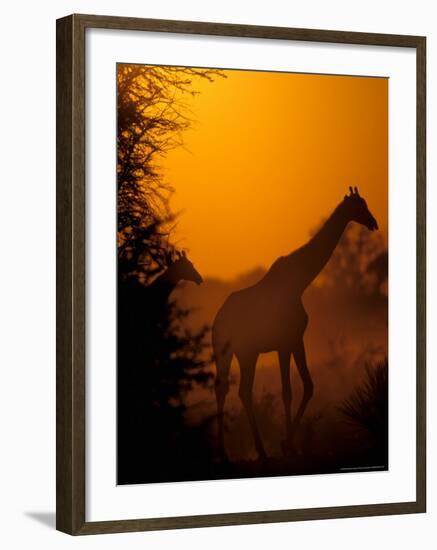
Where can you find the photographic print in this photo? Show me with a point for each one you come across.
(252, 274)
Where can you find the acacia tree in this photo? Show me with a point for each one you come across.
(151, 118)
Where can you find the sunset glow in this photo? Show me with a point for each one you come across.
(268, 157)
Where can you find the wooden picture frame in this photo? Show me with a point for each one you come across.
(71, 253)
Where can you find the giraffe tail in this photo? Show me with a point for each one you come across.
(222, 356)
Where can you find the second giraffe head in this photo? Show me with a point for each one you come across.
(182, 269)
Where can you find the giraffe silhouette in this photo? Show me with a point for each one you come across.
(159, 290)
(269, 316)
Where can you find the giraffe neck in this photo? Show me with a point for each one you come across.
(165, 283)
(316, 253)
(302, 266)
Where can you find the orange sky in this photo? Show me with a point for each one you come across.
(270, 156)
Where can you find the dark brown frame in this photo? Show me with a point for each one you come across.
(70, 300)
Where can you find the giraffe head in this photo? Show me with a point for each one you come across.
(182, 269)
(358, 211)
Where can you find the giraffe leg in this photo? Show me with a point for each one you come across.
(284, 364)
(308, 387)
(221, 389)
(247, 374)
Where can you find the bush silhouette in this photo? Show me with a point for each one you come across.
(367, 406)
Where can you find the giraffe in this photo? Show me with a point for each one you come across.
(269, 316)
(181, 269)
